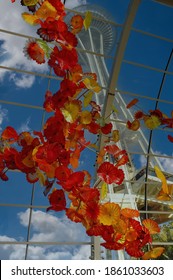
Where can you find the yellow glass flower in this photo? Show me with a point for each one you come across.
(152, 122)
(71, 110)
(109, 213)
(85, 117)
(92, 84)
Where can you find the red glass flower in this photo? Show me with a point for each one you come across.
(110, 174)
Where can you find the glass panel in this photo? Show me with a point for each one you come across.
(16, 190)
(136, 80)
(54, 227)
(13, 227)
(12, 251)
(60, 252)
(142, 49)
(155, 14)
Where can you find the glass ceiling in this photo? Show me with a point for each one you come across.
(132, 60)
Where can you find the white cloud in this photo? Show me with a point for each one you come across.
(24, 126)
(12, 46)
(3, 115)
(81, 254)
(47, 227)
(8, 251)
(166, 163)
(71, 4)
(142, 161)
(17, 252)
(22, 81)
(37, 253)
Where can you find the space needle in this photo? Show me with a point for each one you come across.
(95, 46)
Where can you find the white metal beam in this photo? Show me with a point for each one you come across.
(118, 59)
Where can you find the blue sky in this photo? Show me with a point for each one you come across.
(27, 89)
